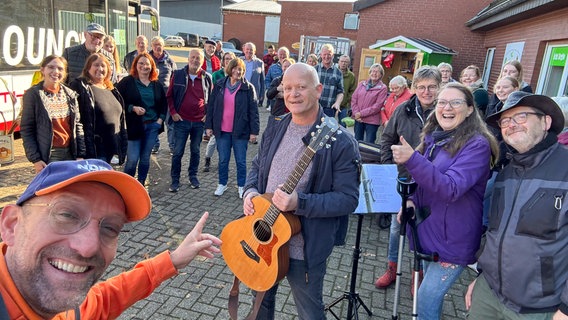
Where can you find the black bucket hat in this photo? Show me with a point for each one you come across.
(543, 103)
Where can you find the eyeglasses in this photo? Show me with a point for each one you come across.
(394, 88)
(519, 118)
(456, 103)
(64, 219)
(445, 71)
(430, 88)
(96, 35)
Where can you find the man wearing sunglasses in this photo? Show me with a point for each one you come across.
(524, 262)
(62, 234)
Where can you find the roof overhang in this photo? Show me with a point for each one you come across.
(504, 12)
(421, 47)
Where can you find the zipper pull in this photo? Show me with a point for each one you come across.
(558, 201)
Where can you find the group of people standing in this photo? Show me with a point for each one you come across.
(453, 139)
(75, 114)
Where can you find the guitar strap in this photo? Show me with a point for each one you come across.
(234, 302)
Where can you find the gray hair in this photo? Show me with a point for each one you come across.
(285, 50)
(345, 56)
(251, 45)
(379, 67)
(157, 39)
(328, 47)
(446, 65)
(562, 102)
(427, 72)
(399, 81)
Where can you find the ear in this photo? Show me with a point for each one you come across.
(319, 89)
(8, 221)
(470, 110)
(547, 122)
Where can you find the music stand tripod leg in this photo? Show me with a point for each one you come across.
(352, 296)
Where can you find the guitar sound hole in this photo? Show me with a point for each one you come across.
(262, 231)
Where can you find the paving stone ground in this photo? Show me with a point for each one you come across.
(201, 291)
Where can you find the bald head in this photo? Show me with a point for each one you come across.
(302, 91)
(305, 71)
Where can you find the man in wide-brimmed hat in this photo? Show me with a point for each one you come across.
(525, 259)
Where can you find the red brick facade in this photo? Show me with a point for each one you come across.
(536, 33)
(442, 22)
(313, 19)
(247, 27)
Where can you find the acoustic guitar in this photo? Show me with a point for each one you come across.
(255, 247)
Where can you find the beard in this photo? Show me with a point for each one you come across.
(48, 296)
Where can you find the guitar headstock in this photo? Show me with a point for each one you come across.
(324, 133)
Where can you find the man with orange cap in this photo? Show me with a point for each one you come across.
(62, 234)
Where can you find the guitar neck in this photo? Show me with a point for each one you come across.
(299, 170)
(291, 183)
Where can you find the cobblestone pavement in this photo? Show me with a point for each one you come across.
(201, 291)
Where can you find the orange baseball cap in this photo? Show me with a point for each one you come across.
(60, 174)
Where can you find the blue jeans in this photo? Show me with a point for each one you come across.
(330, 112)
(342, 114)
(139, 151)
(226, 142)
(169, 132)
(438, 278)
(394, 239)
(308, 296)
(182, 130)
(366, 132)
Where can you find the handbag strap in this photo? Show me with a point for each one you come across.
(234, 302)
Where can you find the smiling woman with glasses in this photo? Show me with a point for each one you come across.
(451, 167)
(471, 77)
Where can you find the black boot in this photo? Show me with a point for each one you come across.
(207, 165)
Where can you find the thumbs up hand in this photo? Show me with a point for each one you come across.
(401, 153)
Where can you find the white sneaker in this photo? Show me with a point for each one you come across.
(241, 191)
(220, 189)
(114, 159)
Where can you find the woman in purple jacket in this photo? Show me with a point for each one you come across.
(366, 104)
(451, 167)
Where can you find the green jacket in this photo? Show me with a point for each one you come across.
(349, 85)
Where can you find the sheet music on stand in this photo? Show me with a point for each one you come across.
(377, 191)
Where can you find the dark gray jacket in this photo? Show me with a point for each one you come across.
(333, 188)
(407, 121)
(37, 129)
(525, 258)
(77, 56)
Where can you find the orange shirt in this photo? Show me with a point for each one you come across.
(393, 102)
(106, 299)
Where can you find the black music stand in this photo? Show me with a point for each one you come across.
(373, 178)
(352, 296)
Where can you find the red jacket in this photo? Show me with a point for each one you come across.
(215, 64)
(105, 300)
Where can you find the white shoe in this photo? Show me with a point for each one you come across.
(220, 189)
(241, 191)
(114, 159)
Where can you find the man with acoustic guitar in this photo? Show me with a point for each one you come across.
(324, 196)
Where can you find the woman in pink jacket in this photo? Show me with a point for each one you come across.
(366, 104)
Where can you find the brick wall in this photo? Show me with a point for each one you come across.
(313, 19)
(247, 27)
(535, 33)
(439, 21)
